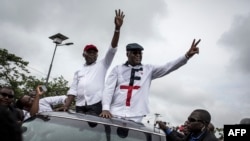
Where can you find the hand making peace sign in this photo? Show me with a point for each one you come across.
(193, 49)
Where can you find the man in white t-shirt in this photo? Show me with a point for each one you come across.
(87, 86)
(32, 105)
(127, 87)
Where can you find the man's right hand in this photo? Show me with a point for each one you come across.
(106, 114)
(162, 125)
(39, 90)
(68, 102)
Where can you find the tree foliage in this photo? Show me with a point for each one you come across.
(58, 86)
(14, 73)
(220, 133)
(13, 70)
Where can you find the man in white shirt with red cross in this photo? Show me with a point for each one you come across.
(127, 87)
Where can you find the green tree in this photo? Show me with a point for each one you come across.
(13, 70)
(14, 73)
(219, 131)
(58, 86)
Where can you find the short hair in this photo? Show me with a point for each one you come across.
(19, 104)
(245, 121)
(204, 115)
(9, 88)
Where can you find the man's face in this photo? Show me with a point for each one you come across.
(90, 56)
(185, 129)
(27, 101)
(6, 96)
(194, 123)
(134, 57)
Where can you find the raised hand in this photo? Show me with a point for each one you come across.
(118, 23)
(162, 125)
(119, 18)
(40, 89)
(193, 49)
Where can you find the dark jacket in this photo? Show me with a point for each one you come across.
(207, 136)
(17, 113)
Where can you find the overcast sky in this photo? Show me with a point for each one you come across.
(217, 79)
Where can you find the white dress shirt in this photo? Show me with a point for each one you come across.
(46, 103)
(88, 82)
(126, 93)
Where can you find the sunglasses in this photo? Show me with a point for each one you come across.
(194, 120)
(7, 95)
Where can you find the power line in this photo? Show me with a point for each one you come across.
(42, 73)
(36, 70)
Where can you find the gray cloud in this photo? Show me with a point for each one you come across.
(236, 40)
(26, 25)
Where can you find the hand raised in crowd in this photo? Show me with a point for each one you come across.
(106, 114)
(162, 125)
(35, 105)
(39, 90)
(193, 49)
(119, 18)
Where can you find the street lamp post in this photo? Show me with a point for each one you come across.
(57, 39)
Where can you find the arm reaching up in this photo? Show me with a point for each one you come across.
(118, 23)
(35, 105)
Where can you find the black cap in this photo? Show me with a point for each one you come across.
(134, 46)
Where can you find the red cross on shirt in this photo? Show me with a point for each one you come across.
(129, 94)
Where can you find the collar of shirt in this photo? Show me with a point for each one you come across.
(192, 138)
(128, 65)
(90, 64)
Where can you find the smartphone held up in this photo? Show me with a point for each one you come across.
(42, 88)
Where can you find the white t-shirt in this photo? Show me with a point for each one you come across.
(46, 103)
(127, 88)
(88, 82)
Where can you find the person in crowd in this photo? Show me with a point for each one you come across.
(127, 87)
(245, 121)
(10, 130)
(183, 130)
(7, 100)
(211, 127)
(88, 82)
(32, 104)
(197, 126)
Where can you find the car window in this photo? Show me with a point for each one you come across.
(61, 129)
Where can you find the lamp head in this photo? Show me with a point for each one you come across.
(58, 38)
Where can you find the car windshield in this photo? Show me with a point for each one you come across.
(45, 128)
